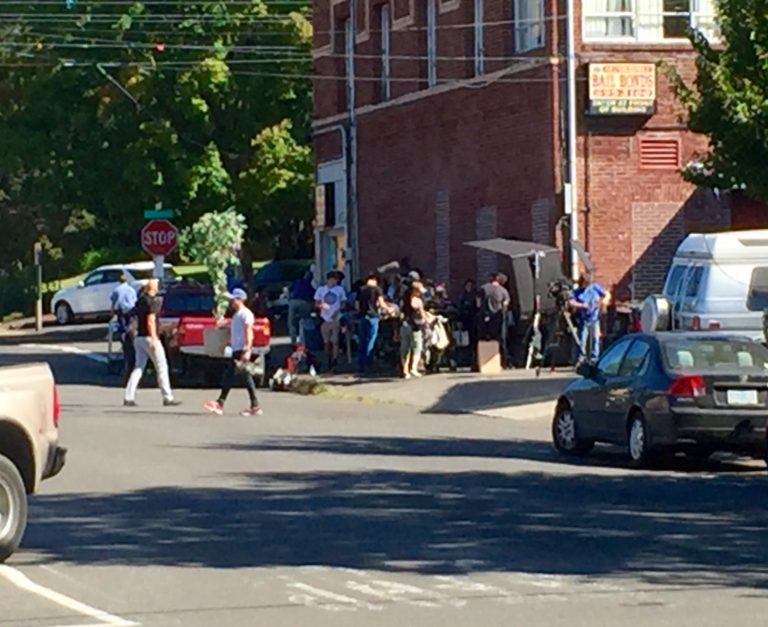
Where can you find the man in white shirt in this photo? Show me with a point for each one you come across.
(241, 341)
(329, 299)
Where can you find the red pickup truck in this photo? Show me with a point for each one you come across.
(186, 314)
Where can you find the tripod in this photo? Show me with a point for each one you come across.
(537, 353)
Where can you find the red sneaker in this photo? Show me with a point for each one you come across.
(252, 411)
(214, 407)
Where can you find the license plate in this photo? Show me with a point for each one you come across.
(742, 397)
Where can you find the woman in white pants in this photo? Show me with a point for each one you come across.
(149, 347)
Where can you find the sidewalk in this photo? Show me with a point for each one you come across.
(513, 395)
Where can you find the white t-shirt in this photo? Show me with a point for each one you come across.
(240, 321)
(333, 297)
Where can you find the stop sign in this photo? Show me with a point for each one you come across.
(159, 237)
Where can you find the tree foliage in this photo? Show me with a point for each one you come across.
(215, 241)
(729, 100)
(107, 109)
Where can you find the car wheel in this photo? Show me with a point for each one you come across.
(638, 442)
(13, 508)
(565, 434)
(64, 313)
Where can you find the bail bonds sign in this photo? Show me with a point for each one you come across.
(622, 88)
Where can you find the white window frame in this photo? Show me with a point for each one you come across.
(386, 52)
(479, 38)
(647, 17)
(432, 42)
(525, 40)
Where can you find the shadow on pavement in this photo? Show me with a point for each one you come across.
(67, 369)
(685, 529)
(57, 335)
(494, 393)
(532, 450)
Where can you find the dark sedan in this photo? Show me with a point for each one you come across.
(697, 393)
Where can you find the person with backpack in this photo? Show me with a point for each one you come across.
(241, 342)
(124, 299)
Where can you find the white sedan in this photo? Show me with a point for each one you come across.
(91, 297)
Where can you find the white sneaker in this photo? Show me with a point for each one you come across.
(407, 376)
(416, 374)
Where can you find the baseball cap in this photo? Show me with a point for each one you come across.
(238, 294)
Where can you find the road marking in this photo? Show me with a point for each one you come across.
(21, 581)
(72, 350)
(312, 593)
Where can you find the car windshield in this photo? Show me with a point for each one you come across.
(189, 302)
(711, 355)
(143, 275)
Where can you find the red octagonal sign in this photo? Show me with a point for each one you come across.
(159, 237)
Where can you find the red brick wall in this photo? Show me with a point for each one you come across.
(486, 147)
(747, 213)
(499, 146)
(613, 185)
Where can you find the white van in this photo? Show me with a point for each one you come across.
(719, 281)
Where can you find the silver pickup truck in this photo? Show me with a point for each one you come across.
(29, 450)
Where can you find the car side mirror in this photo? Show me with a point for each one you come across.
(586, 370)
(80, 285)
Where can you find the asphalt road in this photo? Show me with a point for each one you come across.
(337, 513)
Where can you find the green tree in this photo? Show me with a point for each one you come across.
(106, 111)
(728, 101)
(215, 241)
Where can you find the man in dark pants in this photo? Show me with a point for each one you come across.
(241, 341)
(124, 299)
(494, 304)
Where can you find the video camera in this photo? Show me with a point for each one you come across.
(560, 291)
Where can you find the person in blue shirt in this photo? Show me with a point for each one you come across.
(124, 299)
(588, 301)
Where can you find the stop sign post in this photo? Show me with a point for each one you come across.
(159, 238)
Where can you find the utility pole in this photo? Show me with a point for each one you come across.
(352, 214)
(571, 189)
(38, 256)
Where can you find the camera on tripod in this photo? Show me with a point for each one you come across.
(560, 291)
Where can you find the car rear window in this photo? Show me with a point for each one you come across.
(181, 302)
(757, 300)
(143, 275)
(694, 282)
(673, 282)
(709, 355)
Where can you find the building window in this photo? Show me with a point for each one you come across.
(647, 20)
(479, 40)
(529, 25)
(432, 42)
(386, 91)
(609, 19)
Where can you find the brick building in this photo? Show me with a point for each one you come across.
(442, 121)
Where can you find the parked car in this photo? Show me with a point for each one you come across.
(29, 450)
(277, 275)
(695, 392)
(716, 281)
(90, 298)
